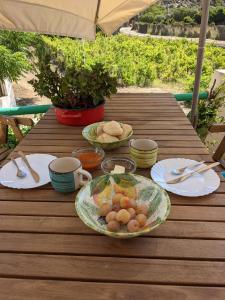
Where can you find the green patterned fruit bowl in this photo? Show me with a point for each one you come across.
(90, 134)
(101, 191)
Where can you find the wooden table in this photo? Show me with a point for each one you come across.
(48, 253)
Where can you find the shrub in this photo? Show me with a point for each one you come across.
(153, 14)
(16, 41)
(217, 15)
(208, 110)
(67, 79)
(180, 14)
(12, 65)
(189, 20)
(136, 61)
(13, 54)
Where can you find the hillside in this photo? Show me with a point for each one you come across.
(188, 3)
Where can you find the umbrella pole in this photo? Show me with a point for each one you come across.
(201, 50)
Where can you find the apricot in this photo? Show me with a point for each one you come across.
(111, 216)
(132, 212)
(129, 192)
(142, 209)
(125, 202)
(117, 197)
(141, 218)
(123, 216)
(113, 226)
(105, 209)
(133, 226)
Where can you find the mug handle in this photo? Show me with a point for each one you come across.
(130, 141)
(86, 174)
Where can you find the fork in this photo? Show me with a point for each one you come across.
(184, 177)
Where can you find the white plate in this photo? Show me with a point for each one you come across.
(195, 186)
(39, 163)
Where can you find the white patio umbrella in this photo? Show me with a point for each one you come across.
(74, 18)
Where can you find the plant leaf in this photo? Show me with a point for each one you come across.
(155, 203)
(146, 193)
(99, 184)
(125, 180)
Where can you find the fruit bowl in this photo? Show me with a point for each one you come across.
(95, 205)
(90, 134)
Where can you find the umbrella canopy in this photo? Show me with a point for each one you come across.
(75, 18)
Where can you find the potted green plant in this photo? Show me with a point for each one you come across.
(209, 110)
(76, 89)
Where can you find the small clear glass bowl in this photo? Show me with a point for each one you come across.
(109, 164)
(90, 157)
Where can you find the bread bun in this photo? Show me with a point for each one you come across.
(100, 129)
(127, 129)
(113, 128)
(106, 138)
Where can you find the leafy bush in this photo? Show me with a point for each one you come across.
(189, 20)
(12, 65)
(153, 14)
(67, 79)
(217, 15)
(16, 41)
(136, 61)
(157, 14)
(179, 14)
(209, 110)
(13, 54)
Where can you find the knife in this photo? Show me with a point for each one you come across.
(32, 171)
(186, 176)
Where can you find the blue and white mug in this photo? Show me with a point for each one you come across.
(67, 175)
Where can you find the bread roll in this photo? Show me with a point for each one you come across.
(106, 138)
(100, 129)
(126, 131)
(113, 128)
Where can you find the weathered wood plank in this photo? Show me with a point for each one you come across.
(109, 269)
(73, 225)
(100, 246)
(70, 290)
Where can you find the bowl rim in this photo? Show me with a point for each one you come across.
(124, 235)
(89, 149)
(87, 128)
(119, 158)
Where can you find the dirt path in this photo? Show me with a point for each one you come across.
(128, 31)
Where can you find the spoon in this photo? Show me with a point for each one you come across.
(180, 171)
(20, 173)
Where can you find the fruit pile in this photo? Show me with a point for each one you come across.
(124, 213)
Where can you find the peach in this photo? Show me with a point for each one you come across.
(113, 226)
(105, 209)
(117, 197)
(111, 216)
(132, 212)
(123, 216)
(133, 226)
(141, 218)
(142, 209)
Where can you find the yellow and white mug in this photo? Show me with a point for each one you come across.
(144, 152)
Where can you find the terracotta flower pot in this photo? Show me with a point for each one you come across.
(80, 117)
